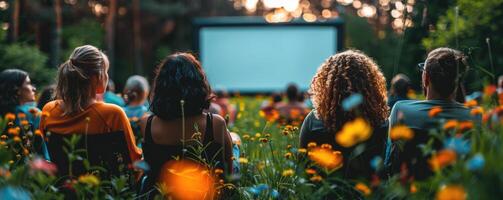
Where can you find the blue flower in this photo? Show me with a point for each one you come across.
(15, 193)
(274, 193)
(459, 145)
(376, 163)
(352, 101)
(256, 190)
(141, 164)
(476, 162)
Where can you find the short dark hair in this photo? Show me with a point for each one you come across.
(445, 67)
(292, 92)
(10, 82)
(180, 77)
(400, 85)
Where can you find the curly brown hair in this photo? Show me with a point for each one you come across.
(341, 75)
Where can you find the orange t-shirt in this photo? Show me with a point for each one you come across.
(103, 118)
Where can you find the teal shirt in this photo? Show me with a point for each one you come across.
(135, 111)
(25, 108)
(110, 97)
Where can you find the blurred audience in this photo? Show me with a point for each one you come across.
(227, 110)
(400, 86)
(293, 110)
(110, 97)
(135, 93)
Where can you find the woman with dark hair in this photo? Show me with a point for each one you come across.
(180, 94)
(77, 110)
(340, 76)
(17, 96)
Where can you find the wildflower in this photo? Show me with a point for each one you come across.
(4, 173)
(288, 146)
(3, 143)
(256, 190)
(310, 171)
(17, 139)
(26, 152)
(3, 137)
(326, 146)
(476, 162)
(450, 124)
(477, 111)
(89, 179)
(246, 136)
(288, 155)
(302, 150)
(411, 94)
(352, 101)
(311, 145)
(10, 117)
(434, 111)
(471, 103)
(187, 180)
(326, 158)
(14, 131)
(267, 135)
(316, 178)
(243, 160)
(21, 115)
(465, 126)
(263, 140)
(442, 159)
(401, 132)
(353, 132)
(88, 119)
(288, 172)
(459, 145)
(295, 113)
(141, 165)
(39, 164)
(285, 132)
(34, 111)
(25, 122)
(364, 189)
(413, 188)
(219, 171)
(376, 163)
(489, 90)
(257, 135)
(451, 192)
(274, 193)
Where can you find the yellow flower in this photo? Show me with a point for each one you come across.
(288, 172)
(442, 159)
(353, 132)
(288, 155)
(450, 124)
(403, 132)
(364, 189)
(263, 140)
(434, 111)
(89, 179)
(302, 150)
(3, 137)
(219, 171)
(326, 146)
(331, 160)
(257, 135)
(246, 136)
(311, 145)
(316, 178)
(451, 192)
(243, 160)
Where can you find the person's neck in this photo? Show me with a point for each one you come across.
(433, 95)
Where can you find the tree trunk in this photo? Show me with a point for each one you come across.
(138, 68)
(14, 29)
(55, 49)
(110, 34)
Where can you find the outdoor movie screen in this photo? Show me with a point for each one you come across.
(265, 58)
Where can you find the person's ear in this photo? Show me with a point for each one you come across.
(426, 79)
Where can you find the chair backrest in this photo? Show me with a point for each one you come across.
(108, 151)
(411, 154)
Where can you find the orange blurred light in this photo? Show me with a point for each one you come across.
(182, 179)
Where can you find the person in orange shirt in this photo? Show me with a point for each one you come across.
(76, 109)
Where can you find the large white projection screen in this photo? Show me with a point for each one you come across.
(255, 59)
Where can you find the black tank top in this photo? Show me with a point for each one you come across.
(156, 155)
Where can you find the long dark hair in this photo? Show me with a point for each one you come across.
(180, 77)
(10, 82)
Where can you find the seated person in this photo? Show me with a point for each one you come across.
(226, 108)
(110, 97)
(343, 74)
(135, 94)
(400, 85)
(293, 110)
(441, 77)
(180, 95)
(77, 111)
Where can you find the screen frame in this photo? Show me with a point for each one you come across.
(248, 21)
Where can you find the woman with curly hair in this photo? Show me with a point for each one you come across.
(18, 97)
(340, 76)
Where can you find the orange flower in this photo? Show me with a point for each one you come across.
(435, 111)
(302, 150)
(25, 122)
(38, 132)
(413, 188)
(21, 115)
(316, 178)
(489, 90)
(294, 113)
(310, 171)
(364, 189)
(14, 131)
(288, 155)
(17, 139)
(451, 192)
(331, 160)
(471, 103)
(311, 144)
(33, 111)
(10, 117)
(401, 132)
(353, 132)
(477, 111)
(183, 179)
(219, 171)
(326, 146)
(465, 126)
(442, 159)
(451, 124)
